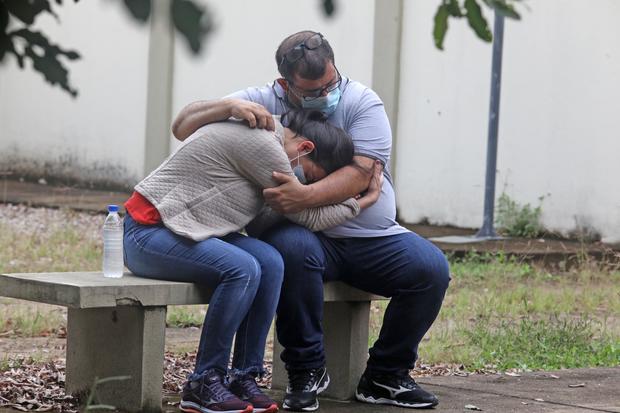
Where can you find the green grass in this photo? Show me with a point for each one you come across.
(550, 343)
(186, 315)
(499, 311)
(26, 319)
(502, 313)
(7, 363)
(62, 249)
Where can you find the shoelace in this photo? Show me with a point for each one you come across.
(301, 379)
(249, 386)
(215, 391)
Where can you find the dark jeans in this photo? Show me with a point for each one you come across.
(405, 267)
(245, 272)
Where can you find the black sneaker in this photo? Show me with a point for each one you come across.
(394, 389)
(210, 395)
(303, 387)
(245, 387)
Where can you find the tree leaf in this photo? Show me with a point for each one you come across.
(191, 21)
(441, 25)
(139, 9)
(504, 8)
(6, 44)
(47, 63)
(454, 8)
(477, 21)
(4, 18)
(27, 11)
(329, 7)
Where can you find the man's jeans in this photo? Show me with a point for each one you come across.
(405, 267)
(245, 272)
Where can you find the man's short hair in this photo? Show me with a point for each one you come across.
(311, 65)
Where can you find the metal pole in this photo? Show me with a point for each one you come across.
(487, 230)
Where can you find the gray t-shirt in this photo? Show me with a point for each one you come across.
(361, 113)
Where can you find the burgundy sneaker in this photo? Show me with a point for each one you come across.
(245, 387)
(210, 395)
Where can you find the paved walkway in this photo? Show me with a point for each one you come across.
(565, 391)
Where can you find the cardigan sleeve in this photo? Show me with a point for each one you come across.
(260, 154)
(315, 219)
(326, 216)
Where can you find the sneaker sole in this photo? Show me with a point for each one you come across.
(190, 407)
(271, 409)
(382, 400)
(312, 408)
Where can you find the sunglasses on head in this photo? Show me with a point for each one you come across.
(298, 51)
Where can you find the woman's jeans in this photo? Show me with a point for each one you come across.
(246, 275)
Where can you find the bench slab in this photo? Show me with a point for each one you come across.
(116, 326)
(93, 290)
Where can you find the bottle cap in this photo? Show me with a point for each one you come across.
(112, 208)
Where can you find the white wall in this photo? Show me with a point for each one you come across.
(100, 135)
(558, 132)
(240, 52)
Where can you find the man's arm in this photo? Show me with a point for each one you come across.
(203, 112)
(347, 182)
(372, 138)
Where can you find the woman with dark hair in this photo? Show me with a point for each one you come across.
(183, 224)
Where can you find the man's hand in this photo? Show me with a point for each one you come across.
(374, 189)
(255, 114)
(288, 198)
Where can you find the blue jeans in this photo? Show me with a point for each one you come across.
(406, 267)
(246, 275)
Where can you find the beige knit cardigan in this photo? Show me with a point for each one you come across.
(212, 184)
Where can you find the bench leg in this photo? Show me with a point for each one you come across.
(345, 327)
(118, 341)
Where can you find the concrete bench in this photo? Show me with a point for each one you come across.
(116, 327)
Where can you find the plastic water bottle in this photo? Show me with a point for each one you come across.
(113, 244)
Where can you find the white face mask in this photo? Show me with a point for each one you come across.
(298, 170)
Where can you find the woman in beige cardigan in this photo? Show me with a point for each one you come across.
(184, 222)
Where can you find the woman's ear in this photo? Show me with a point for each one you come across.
(305, 147)
(282, 82)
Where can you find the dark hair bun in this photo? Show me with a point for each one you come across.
(333, 147)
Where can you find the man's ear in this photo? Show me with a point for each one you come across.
(282, 82)
(305, 147)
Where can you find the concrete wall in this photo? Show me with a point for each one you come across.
(101, 137)
(558, 134)
(240, 53)
(97, 137)
(558, 130)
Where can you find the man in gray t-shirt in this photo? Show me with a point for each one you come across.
(371, 252)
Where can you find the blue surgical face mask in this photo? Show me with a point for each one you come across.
(326, 104)
(298, 170)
